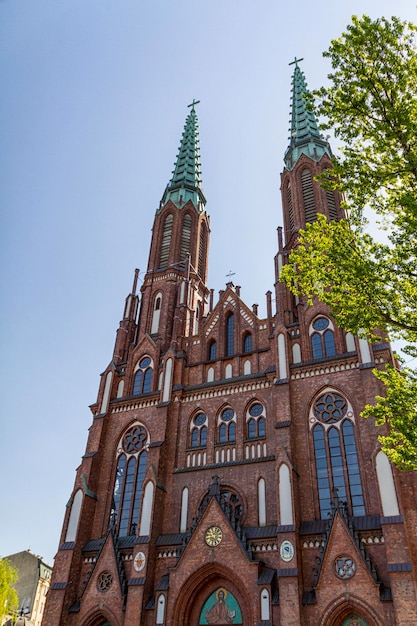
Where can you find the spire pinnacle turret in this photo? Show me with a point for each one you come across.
(305, 135)
(185, 183)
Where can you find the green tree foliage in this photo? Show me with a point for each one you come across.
(371, 283)
(8, 595)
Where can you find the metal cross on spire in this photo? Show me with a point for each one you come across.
(296, 61)
(193, 103)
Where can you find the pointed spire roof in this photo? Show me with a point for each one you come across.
(185, 183)
(305, 136)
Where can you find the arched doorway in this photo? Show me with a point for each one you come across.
(213, 595)
(349, 610)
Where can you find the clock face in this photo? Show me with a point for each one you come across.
(287, 551)
(213, 536)
(139, 561)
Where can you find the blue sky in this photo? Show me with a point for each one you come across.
(94, 99)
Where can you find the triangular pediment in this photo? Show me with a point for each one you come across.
(214, 539)
(104, 573)
(230, 300)
(343, 562)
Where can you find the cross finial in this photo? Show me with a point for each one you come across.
(230, 274)
(194, 102)
(296, 61)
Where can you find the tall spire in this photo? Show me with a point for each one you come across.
(185, 183)
(305, 135)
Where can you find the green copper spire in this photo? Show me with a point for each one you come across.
(185, 183)
(305, 135)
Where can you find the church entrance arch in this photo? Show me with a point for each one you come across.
(213, 595)
(349, 610)
(98, 619)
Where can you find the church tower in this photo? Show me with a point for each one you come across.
(228, 477)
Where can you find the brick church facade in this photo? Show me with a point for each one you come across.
(228, 477)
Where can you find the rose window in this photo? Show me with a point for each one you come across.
(330, 407)
(104, 581)
(345, 567)
(134, 439)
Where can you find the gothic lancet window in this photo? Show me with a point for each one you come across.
(130, 474)
(156, 313)
(336, 458)
(212, 350)
(322, 338)
(255, 421)
(308, 196)
(227, 426)
(230, 335)
(143, 377)
(247, 343)
(166, 242)
(198, 429)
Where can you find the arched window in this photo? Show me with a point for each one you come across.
(331, 203)
(74, 516)
(130, 474)
(296, 353)
(143, 377)
(386, 485)
(156, 313)
(230, 334)
(322, 338)
(184, 510)
(185, 237)
(255, 421)
(197, 320)
(265, 604)
(166, 242)
(336, 458)
(290, 208)
(212, 351)
(202, 251)
(227, 426)
(160, 610)
(198, 431)
(285, 496)
(261, 502)
(247, 343)
(308, 196)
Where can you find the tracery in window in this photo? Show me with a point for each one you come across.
(322, 338)
(143, 377)
(255, 421)
(227, 426)
(336, 459)
(198, 430)
(130, 474)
